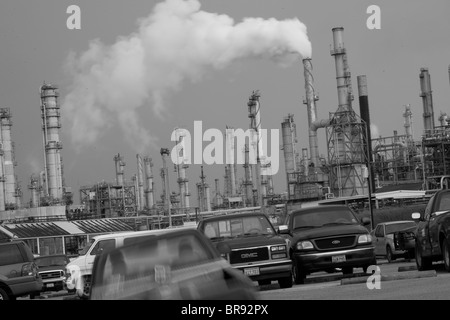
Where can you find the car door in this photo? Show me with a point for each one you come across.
(422, 237)
(441, 205)
(380, 246)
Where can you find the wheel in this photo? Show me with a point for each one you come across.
(285, 282)
(264, 282)
(422, 262)
(298, 274)
(347, 270)
(3, 295)
(446, 255)
(389, 255)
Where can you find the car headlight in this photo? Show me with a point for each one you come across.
(365, 238)
(304, 245)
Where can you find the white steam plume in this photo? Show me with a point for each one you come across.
(177, 42)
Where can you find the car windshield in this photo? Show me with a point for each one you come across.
(143, 269)
(51, 261)
(391, 228)
(238, 227)
(86, 247)
(323, 217)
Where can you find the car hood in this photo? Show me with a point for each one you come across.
(251, 241)
(51, 268)
(328, 231)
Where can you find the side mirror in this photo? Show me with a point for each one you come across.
(283, 229)
(416, 216)
(223, 248)
(365, 221)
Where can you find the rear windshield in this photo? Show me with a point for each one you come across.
(323, 217)
(238, 226)
(10, 254)
(391, 228)
(57, 261)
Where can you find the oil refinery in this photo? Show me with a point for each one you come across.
(356, 163)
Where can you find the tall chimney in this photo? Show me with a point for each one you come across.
(343, 75)
(140, 181)
(50, 111)
(149, 186)
(365, 116)
(311, 108)
(8, 157)
(427, 100)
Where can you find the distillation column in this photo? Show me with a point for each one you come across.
(183, 182)
(255, 124)
(408, 123)
(248, 182)
(51, 126)
(311, 107)
(140, 182)
(289, 138)
(164, 154)
(427, 100)
(149, 178)
(8, 158)
(33, 186)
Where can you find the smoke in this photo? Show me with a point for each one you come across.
(177, 42)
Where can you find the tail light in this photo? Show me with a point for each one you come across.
(30, 269)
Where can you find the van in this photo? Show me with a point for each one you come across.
(79, 270)
(18, 272)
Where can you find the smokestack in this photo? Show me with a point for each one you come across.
(8, 157)
(164, 154)
(118, 159)
(33, 186)
(365, 116)
(311, 108)
(408, 122)
(427, 100)
(149, 178)
(255, 124)
(443, 119)
(140, 181)
(343, 76)
(50, 111)
(230, 159)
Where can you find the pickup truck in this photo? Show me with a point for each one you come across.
(433, 232)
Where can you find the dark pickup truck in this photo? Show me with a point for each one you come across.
(251, 244)
(433, 232)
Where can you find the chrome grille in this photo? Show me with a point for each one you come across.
(51, 274)
(335, 242)
(249, 255)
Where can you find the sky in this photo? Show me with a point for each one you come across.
(138, 69)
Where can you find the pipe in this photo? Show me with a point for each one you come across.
(320, 124)
(311, 108)
(427, 100)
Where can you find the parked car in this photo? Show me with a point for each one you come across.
(175, 264)
(79, 270)
(250, 243)
(327, 237)
(52, 269)
(433, 232)
(18, 272)
(394, 239)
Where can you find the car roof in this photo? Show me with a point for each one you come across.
(138, 233)
(396, 222)
(232, 215)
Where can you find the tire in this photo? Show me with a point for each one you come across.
(389, 255)
(347, 270)
(422, 262)
(446, 255)
(298, 274)
(285, 282)
(264, 282)
(3, 295)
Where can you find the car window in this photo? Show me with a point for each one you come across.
(428, 207)
(104, 246)
(444, 202)
(379, 231)
(10, 254)
(323, 216)
(131, 240)
(238, 226)
(142, 267)
(391, 228)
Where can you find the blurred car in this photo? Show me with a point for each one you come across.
(251, 244)
(18, 272)
(52, 269)
(394, 239)
(174, 264)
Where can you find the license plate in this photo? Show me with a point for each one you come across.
(50, 285)
(251, 271)
(336, 259)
